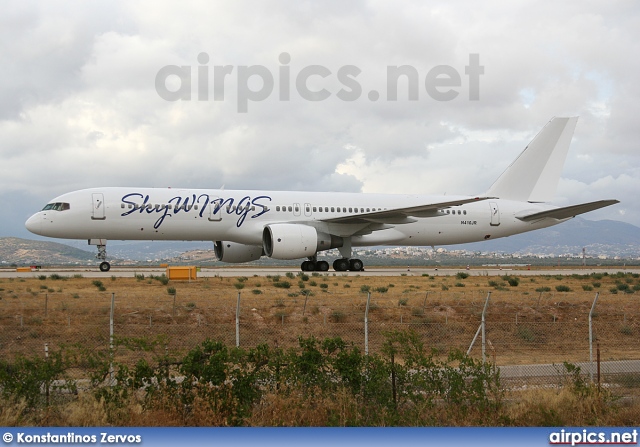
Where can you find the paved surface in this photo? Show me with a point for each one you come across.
(93, 272)
(548, 370)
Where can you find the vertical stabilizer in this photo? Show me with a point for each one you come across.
(534, 175)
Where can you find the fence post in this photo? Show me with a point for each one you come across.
(484, 341)
(173, 313)
(366, 325)
(46, 357)
(306, 297)
(593, 306)
(46, 304)
(113, 303)
(238, 322)
(481, 329)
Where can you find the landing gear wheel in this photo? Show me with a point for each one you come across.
(341, 265)
(356, 265)
(105, 266)
(322, 266)
(308, 266)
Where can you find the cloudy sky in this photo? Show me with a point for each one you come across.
(296, 95)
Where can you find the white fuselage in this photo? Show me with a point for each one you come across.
(240, 216)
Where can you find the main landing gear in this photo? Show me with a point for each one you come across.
(102, 253)
(339, 265)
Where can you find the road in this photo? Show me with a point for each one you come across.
(93, 272)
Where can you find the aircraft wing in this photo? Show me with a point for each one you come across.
(401, 215)
(567, 211)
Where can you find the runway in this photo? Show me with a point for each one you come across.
(226, 271)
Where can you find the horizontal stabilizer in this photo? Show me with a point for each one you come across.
(567, 211)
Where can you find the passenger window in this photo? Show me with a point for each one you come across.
(314, 209)
(290, 209)
(332, 209)
(464, 212)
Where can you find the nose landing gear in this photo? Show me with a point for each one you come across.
(102, 253)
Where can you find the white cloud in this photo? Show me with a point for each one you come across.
(78, 106)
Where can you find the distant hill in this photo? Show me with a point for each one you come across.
(18, 251)
(605, 237)
(598, 237)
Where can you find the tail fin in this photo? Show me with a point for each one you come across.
(534, 175)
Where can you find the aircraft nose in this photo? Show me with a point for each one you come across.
(34, 224)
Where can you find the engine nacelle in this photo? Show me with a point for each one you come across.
(236, 253)
(293, 241)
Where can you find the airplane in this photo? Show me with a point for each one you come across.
(245, 225)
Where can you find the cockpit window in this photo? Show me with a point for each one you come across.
(58, 206)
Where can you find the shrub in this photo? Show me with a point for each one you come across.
(462, 275)
(526, 333)
(513, 281)
(282, 284)
(171, 290)
(563, 288)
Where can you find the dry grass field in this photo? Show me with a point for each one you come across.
(530, 319)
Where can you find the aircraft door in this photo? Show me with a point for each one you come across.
(307, 209)
(296, 209)
(215, 210)
(98, 212)
(495, 214)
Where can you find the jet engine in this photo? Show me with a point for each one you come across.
(294, 241)
(236, 253)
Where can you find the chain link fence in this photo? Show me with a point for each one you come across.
(529, 337)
